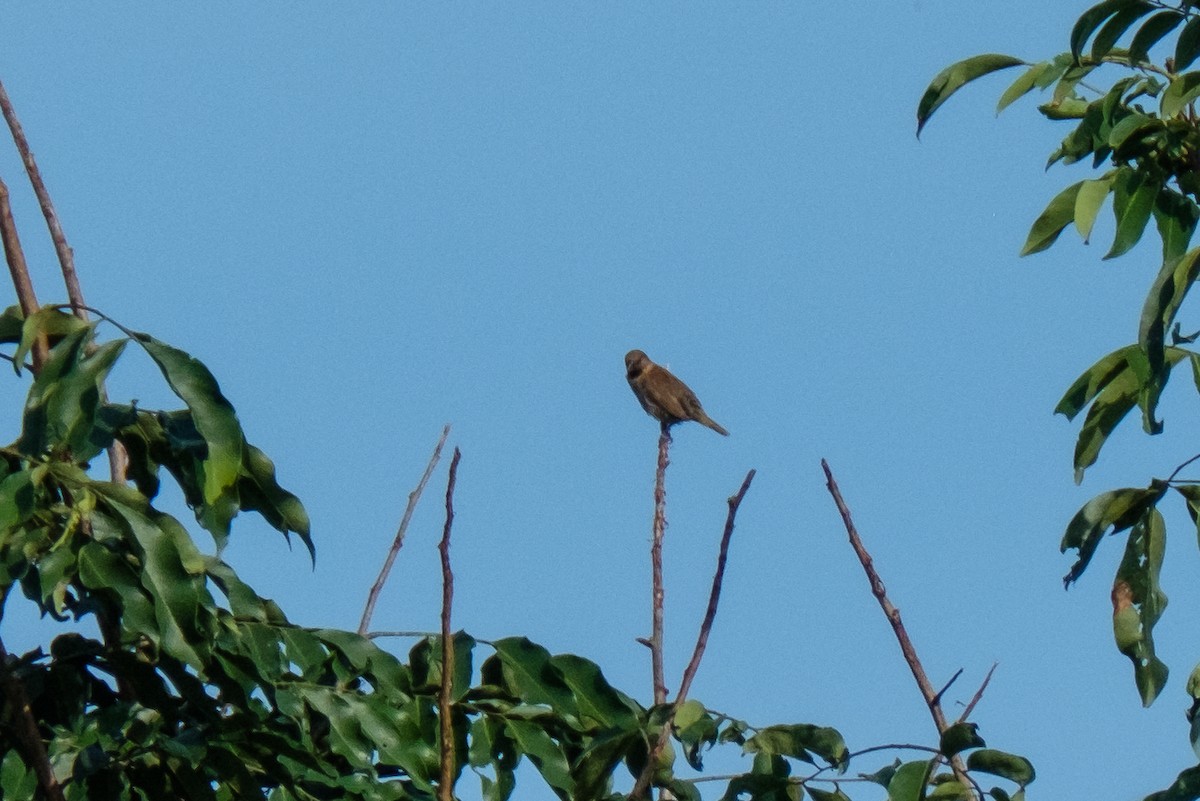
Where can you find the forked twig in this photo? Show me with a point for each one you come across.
(710, 615)
(413, 497)
(446, 782)
(893, 616)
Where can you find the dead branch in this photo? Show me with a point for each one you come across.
(446, 782)
(19, 271)
(893, 616)
(66, 257)
(413, 497)
(710, 615)
(656, 570)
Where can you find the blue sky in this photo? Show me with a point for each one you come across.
(372, 220)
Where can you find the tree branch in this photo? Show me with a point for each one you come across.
(978, 693)
(446, 782)
(710, 615)
(66, 257)
(26, 728)
(893, 616)
(19, 271)
(413, 497)
(656, 571)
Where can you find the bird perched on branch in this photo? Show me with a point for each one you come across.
(663, 396)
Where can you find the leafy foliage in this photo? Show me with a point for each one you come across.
(199, 688)
(1141, 133)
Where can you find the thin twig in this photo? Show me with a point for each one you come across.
(27, 729)
(1177, 469)
(893, 616)
(938, 698)
(710, 615)
(978, 693)
(19, 271)
(656, 568)
(446, 783)
(413, 497)
(66, 257)
(714, 596)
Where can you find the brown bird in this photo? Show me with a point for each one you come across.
(663, 396)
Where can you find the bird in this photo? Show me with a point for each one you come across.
(663, 396)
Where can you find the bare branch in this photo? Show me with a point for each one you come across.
(26, 729)
(446, 782)
(710, 615)
(659, 529)
(19, 271)
(893, 616)
(66, 258)
(413, 497)
(938, 698)
(714, 596)
(978, 693)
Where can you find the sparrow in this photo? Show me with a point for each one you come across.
(663, 396)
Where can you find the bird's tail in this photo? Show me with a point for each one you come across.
(714, 425)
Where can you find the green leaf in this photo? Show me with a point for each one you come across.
(17, 500)
(1058, 215)
(50, 323)
(17, 782)
(1093, 381)
(824, 795)
(545, 754)
(173, 574)
(797, 740)
(1138, 602)
(1187, 47)
(530, 675)
(1022, 86)
(1119, 510)
(908, 783)
(1088, 201)
(1179, 93)
(954, 77)
(1128, 127)
(42, 426)
(1152, 32)
(1116, 26)
(258, 491)
(599, 703)
(11, 324)
(217, 423)
(346, 736)
(1176, 217)
(1186, 787)
(592, 772)
(1092, 19)
(960, 737)
(1015, 768)
(103, 568)
(1166, 295)
(1134, 194)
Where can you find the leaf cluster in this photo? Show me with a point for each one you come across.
(1135, 120)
